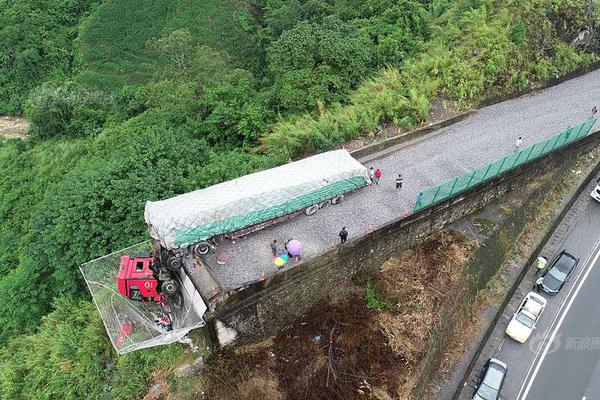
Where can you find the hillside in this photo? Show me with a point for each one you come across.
(135, 100)
(113, 40)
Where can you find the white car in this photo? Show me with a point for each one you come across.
(596, 192)
(523, 322)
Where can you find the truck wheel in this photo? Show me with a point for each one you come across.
(201, 249)
(325, 203)
(175, 263)
(169, 287)
(337, 199)
(311, 210)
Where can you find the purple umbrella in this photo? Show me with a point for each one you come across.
(294, 247)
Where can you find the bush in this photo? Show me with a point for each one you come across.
(66, 111)
(318, 62)
(70, 357)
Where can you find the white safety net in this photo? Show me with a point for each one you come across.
(133, 325)
(251, 199)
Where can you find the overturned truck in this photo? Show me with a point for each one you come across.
(195, 222)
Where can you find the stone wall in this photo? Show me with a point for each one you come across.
(260, 309)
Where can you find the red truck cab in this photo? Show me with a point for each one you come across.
(137, 280)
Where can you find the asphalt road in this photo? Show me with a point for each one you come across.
(480, 139)
(567, 365)
(561, 360)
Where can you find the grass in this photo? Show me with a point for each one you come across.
(345, 349)
(484, 226)
(113, 50)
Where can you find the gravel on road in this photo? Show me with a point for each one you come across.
(476, 141)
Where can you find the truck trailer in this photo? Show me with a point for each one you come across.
(195, 222)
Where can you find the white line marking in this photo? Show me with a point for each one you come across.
(560, 321)
(556, 316)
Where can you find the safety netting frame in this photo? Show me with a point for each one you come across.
(130, 324)
(252, 199)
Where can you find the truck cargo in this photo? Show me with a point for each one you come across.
(195, 220)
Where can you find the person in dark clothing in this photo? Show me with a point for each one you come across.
(274, 247)
(594, 111)
(399, 181)
(343, 235)
(286, 249)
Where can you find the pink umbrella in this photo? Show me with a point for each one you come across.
(294, 247)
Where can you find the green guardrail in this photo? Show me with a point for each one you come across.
(463, 182)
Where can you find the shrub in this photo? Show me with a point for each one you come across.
(66, 111)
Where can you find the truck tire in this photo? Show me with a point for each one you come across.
(170, 287)
(201, 249)
(311, 210)
(175, 263)
(325, 203)
(337, 199)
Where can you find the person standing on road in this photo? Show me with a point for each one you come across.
(594, 111)
(274, 247)
(399, 181)
(538, 284)
(377, 176)
(343, 235)
(372, 175)
(540, 264)
(518, 143)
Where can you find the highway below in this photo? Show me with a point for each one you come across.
(561, 360)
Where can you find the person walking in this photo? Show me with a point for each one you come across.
(399, 181)
(372, 175)
(343, 235)
(540, 264)
(377, 176)
(594, 111)
(518, 143)
(274, 247)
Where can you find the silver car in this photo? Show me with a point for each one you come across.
(490, 381)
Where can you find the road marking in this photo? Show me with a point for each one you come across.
(563, 314)
(556, 316)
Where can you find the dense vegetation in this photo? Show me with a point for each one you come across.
(137, 100)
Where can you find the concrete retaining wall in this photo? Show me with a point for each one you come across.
(260, 309)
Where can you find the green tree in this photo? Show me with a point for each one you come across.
(66, 110)
(36, 44)
(314, 63)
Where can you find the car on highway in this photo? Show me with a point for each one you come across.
(596, 192)
(559, 271)
(524, 320)
(490, 381)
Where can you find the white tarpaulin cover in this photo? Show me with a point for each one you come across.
(251, 199)
(130, 324)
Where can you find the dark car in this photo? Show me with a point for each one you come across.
(559, 271)
(489, 384)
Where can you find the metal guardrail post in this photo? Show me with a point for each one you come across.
(501, 165)
(436, 193)
(544, 148)
(486, 172)
(472, 176)
(528, 154)
(453, 185)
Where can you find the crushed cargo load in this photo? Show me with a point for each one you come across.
(252, 199)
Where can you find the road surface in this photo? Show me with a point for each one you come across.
(480, 139)
(561, 360)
